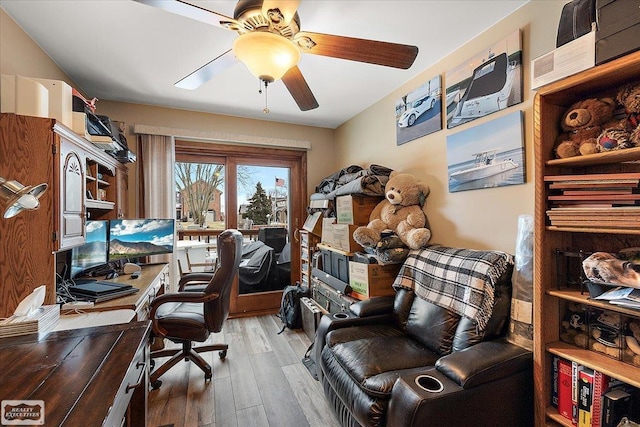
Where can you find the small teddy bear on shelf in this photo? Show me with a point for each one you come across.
(574, 327)
(581, 125)
(632, 342)
(623, 133)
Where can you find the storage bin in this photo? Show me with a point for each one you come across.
(605, 332)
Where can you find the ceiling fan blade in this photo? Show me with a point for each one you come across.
(189, 10)
(287, 8)
(361, 50)
(299, 89)
(208, 71)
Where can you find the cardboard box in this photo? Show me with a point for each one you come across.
(355, 209)
(313, 223)
(340, 237)
(60, 100)
(372, 280)
(24, 96)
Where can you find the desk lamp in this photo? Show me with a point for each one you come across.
(17, 197)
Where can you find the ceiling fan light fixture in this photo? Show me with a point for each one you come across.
(268, 56)
(17, 197)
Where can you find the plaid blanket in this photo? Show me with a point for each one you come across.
(461, 280)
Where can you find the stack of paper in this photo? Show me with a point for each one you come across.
(627, 297)
(44, 319)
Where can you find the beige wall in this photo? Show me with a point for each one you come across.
(476, 219)
(479, 219)
(20, 55)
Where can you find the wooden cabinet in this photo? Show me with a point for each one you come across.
(308, 245)
(550, 296)
(35, 150)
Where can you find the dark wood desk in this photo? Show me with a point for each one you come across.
(86, 377)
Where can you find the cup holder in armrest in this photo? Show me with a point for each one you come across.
(341, 315)
(429, 383)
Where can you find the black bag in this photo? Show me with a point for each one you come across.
(290, 311)
(575, 20)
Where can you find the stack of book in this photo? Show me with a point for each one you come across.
(43, 320)
(590, 398)
(594, 200)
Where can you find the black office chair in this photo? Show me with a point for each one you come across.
(193, 312)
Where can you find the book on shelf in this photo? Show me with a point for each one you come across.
(564, 389)
(585, 397)
(554, 381)
(600, 192)
(603, 211)
(601, 185)
(605, 198)
(576, 370)
(597, 177)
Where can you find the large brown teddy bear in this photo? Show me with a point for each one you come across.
(581, 125)
(400, 211)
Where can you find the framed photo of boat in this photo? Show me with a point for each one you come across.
(419, 112)
(488, 82)
(487, 156)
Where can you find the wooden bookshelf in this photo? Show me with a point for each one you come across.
(550, 103)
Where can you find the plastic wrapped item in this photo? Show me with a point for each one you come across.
(521, 324)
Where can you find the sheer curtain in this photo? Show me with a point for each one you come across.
(156, 160)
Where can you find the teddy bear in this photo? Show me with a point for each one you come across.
(620, 134)
(401, 212)
(581, 125)
(574, 326)
(632, 341)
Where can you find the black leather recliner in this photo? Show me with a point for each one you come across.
(374, 361)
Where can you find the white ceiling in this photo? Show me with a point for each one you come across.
(121, 50)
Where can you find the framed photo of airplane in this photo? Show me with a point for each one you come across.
(487, 156)
(419, 112)
(488, 82)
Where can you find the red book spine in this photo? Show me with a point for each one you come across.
(565, 389)
(600, 386)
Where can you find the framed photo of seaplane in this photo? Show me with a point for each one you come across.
(488, 155)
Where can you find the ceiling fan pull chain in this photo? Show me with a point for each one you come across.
(266, 100)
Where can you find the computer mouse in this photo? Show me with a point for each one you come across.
(135, 274)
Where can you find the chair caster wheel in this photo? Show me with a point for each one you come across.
(208, 376)
(152, 364)
(156, 384)
(222, 354)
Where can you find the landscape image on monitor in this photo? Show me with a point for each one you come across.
(93, 252)
(134, 238)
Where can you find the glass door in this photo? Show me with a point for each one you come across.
(262, 193)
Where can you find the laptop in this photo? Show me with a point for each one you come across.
(97, 288)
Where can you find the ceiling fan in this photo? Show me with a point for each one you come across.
(270, 42)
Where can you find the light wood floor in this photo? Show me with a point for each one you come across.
(262, 382)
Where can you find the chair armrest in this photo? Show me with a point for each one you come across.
(484, 362)
(373, 306)
(329, 322)
(194, 279)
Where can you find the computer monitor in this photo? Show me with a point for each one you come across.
(94, 252)
(136, 238)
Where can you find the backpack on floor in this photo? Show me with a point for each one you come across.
(290, 311)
